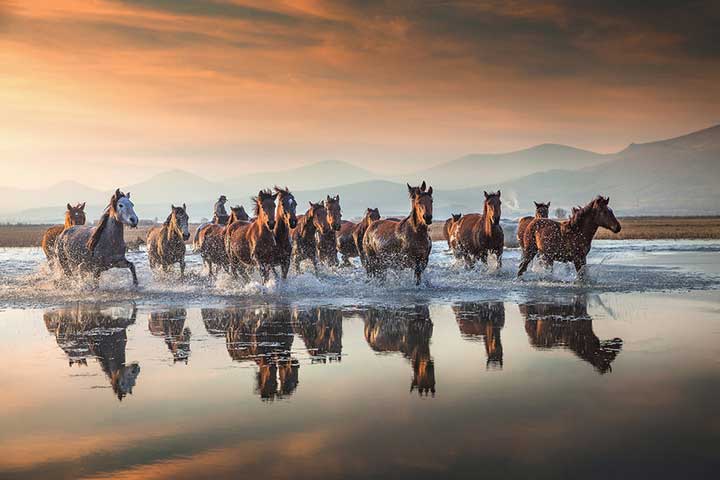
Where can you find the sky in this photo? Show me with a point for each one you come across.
(92, 90)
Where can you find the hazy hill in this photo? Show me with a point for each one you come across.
(482, 169)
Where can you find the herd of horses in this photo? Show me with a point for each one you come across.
(277, 237)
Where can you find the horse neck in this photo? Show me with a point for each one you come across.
(415, 222)
(309, 227)
(487, 220)
(173, 230)
(113, 230)
(68, 220)
(588, 227)
(282, 228)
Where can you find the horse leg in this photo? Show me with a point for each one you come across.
(498, 256)
(419, 269)
(285, 268)
(526, 259)
(182, 269)
(484, 257)
(469, 261)
(580, 268)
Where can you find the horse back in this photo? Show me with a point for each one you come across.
(522, 226)
(468, 231)
(50, 238)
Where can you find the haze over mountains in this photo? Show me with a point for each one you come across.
(678, 176)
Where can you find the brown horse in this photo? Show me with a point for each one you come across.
(73, 216)
(286, 220)
(211, 240)
(567, 241)
(542, 210)
(327, 241)
(350, 236)
(478, 235)
(483, 321)
(449, 228)
(313, 222)
(404, 243)
(252, 244)
(166, 244)
(237, 213)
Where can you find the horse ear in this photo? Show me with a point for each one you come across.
(328, 198)
(498, 193)
(430, 190)
(337, 197)
(69, 207)
(607, 200)
(172, 206)
(548, 204)
(410, 189)
(536, 204)
(127, 195)
(184, 207)
(423, 186)
(486, 194)
(82, 206)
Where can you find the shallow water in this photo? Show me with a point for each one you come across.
(473, 373)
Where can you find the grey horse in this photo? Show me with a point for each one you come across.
(84, 249)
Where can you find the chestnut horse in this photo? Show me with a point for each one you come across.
(449, 227)
(285, 221)
(96, 249)
(479, 235)
(211, 240)
(401, 244)
(567, 241)
(327, 241)
(313, 222)
(73, 216)
(542, 210)
(240, 214)
(350, 236)
(166, 244)
(252, 244)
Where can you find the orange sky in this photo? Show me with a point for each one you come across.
(91, 88)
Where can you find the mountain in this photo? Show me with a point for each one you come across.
(483, 169)
(174, 186)
(14, 199)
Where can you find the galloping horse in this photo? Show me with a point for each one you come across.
(252, 244)
(73, 216)
(166, 244)
(211, 240)
(303, 235)
(567, 241)
(236, 213)
(479, 235)
(350, 236)
(96, 249)
(327, 241)
(404, 243)
(285, 221)
(542, 210)
(449, 227)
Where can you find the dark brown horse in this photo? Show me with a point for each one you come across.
(479, 235)
(211, 241)
(401, 244)
(449, 227)
(166, 244)
(73, 216)
(483, 321)
(252, 244)
(170, 324)
(567, 241)
(350, 236)
(313, 222)
(285, 221)
(236, 213)
(327, 241)
(542, 210)
(568, 326)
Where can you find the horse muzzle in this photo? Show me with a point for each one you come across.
(271, 225)
(293, 222)
(427, 219)
(186, 236)
(336, 227)
(616, 228)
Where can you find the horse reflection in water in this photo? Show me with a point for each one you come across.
(170, 324)
(569, 326)
(483, 321)
(86, 331)
(407, 331)
(321, 330)
(263, 335)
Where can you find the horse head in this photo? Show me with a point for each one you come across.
(318, 216)
(372, 215)
(265, 207)
(456, 216)
(179, 220)
(542, 210)
(604, 215)
(122, 209)
(334, 212)
(238, 214)
(287, 206)
(422, 202)
(492, 206)
(75, 215)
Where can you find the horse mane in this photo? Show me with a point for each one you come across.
(282, 191)
(168, 220)
(579, 213)
(259, 198)
(95, 237)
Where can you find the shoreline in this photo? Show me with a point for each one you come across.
(634, 228)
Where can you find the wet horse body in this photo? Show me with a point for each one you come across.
(350, 236)
(252, 244)
(570, 240)
(309, 225)
(166, 244)
(84, 249)
(211, 241)
(542, 210)
(236, 213)
(478, 235)
(73, 216)
(327, 240)
(401, 244)
(285, 221)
